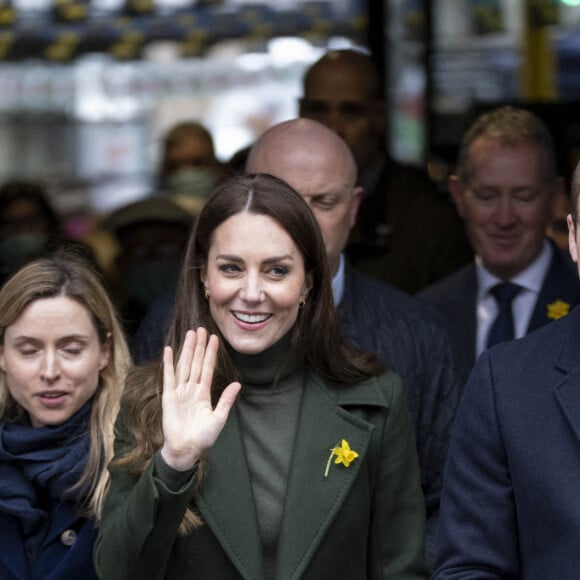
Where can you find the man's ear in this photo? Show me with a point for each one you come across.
(457, 191)
(358, 194)
(572, 246)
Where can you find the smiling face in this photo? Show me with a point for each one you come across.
(256, 279)
(506, 204)
(52, 356)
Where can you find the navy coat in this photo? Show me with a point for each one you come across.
(511, 496)
(56, 560)
(455, 298)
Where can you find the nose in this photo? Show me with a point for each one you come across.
(334, 121)
(50, 369)
(504, 214)
(251, 289)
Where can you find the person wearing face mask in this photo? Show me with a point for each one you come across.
(151, 234)
(28, 222)
(189, 167)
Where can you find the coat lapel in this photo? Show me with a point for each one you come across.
(561, 284)
(226, 501)
(12, 553)
(312, 501)
(567, 391)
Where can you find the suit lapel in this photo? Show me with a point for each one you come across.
(567, 391)
(226, 501)
(312, 500)
(560, 284)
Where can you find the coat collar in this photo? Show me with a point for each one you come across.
(567, 390)
(312, 501)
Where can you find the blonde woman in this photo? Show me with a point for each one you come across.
(63, 360)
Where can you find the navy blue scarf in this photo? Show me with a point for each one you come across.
(38, 466)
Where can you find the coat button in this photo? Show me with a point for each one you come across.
(68, 537)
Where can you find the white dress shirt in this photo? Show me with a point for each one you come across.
(530, 279)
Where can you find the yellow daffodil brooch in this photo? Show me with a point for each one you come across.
(558, 309)
(344, 454)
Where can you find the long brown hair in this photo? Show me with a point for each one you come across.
(315, 335)
(65, 273)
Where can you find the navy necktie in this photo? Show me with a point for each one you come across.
(502, 328)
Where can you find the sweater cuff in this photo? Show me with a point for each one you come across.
(172, 478)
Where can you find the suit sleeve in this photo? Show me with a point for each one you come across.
(396, 548)
(477, 535)
(139, 525)
(435, 399)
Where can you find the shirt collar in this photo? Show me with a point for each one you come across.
(531, 278)
(338, 282)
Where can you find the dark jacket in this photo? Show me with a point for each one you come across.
(409, 338)
(510, 506)
(408, 234)
(455, 298)
(56, 560)
(364, 521)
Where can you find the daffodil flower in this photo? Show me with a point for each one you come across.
(558, 309)
(344, 454)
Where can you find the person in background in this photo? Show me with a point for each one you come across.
(406, 335)
(189, 169)
(63, 360)
(151, 235)
(504, 190)
(311, 472)
(407, 233)
(510, 506)
(557, 229)
(28, 223)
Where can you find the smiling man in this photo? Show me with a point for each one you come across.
(510, 506)
(504, 190)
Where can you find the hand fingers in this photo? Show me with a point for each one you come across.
(209, 361)
(184, 363)
(196, 364)
(168, 372)
(226, 401)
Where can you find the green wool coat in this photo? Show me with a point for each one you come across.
(362, 521)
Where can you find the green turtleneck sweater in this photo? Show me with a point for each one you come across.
(268, 408)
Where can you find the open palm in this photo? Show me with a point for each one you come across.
(190, 423)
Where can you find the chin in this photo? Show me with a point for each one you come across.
(248, 345)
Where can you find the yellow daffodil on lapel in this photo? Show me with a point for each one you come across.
(558, 309)
(344, 454)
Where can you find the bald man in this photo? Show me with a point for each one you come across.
(408, 234)
(405, 334)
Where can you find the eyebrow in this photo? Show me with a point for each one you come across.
(271, 260)
(23, 338)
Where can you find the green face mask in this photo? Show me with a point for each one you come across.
(18, 249)
(192, 181)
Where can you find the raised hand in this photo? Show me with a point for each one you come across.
(190, 423)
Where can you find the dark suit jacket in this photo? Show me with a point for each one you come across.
(55, 561)
(455, 298)
(408, 234)
(511, 501)
(409, 338)
(364, 521)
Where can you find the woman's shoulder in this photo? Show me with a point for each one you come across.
(377, 390)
